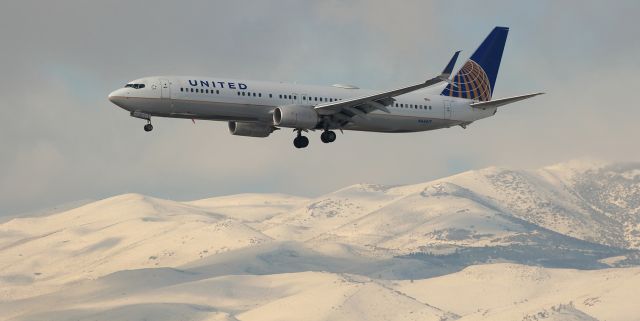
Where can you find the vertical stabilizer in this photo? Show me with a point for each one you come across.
(477, 77)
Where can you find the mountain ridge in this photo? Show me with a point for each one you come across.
(576, 216)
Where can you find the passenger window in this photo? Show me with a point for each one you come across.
(238, 93)
(217, 91)
(191, 89)
(259, 94)
(181, 89)
(270, 96)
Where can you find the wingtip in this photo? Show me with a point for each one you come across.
(449, 68)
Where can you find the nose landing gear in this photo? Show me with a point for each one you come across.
(138, 114)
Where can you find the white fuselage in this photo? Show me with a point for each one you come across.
(255, 102)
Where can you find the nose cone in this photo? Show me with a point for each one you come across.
(112, 97)
(118, 97)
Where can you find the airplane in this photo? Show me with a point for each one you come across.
(258, 108)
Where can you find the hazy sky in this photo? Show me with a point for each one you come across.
(62, 140)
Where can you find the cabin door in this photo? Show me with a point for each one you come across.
(448, 109)
(165, 88)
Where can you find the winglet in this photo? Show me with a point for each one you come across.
(449, 68)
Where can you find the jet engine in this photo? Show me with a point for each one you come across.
(296, 116)
(250, 129)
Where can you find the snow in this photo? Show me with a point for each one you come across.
(511, 292)
(558, 243)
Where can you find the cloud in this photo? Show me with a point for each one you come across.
(63, 141)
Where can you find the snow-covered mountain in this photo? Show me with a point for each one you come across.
(558, 243)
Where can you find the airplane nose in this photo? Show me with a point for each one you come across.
(116, 98)
(117, 95)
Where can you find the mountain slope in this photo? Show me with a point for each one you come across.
(416, 252)
(124, 232)
(511, 292)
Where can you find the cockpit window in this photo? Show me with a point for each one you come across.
(134, 86)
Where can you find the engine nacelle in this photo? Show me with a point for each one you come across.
(296, 116)
(250, 129)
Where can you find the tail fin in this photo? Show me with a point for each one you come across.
(477, 78)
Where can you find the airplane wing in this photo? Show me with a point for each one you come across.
(344, 110)
(502, 101)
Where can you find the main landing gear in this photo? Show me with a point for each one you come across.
(300, 141)
(328, 136)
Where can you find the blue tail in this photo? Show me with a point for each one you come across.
(477, 78)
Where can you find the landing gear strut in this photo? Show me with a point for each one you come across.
(328, 136)
(142, 115)
(300, 141)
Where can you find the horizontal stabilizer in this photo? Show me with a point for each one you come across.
(502, 101)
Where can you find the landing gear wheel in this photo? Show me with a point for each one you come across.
(328, 136)
(301, 142)
(148, 127)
